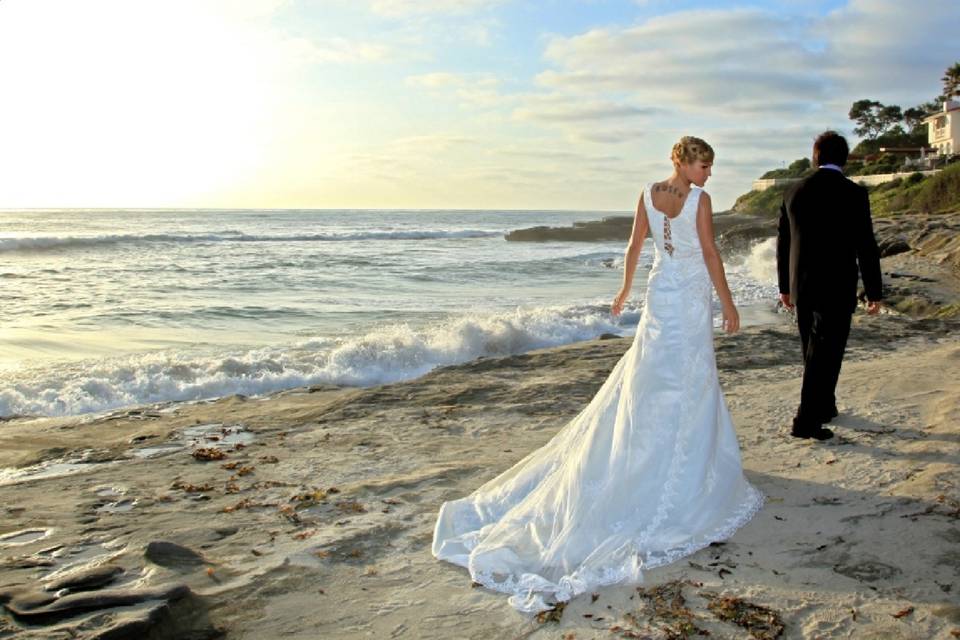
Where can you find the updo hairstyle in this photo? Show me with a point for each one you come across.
(689, 149)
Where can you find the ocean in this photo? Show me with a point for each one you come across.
(105, 309)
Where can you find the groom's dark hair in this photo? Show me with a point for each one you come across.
(830, 148)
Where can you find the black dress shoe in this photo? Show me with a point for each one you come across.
(817, 433)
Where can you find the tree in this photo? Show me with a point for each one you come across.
(874, 118)
(951, 81)
(889, 116)
(863, 112)
(914, 117)
(797, 167)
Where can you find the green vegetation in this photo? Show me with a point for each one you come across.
(933, 194)
(896, 195)
(797, 169)
(888, 126)
(761, 203)
(951, 80)
(940, 192)
(897, 137)
(916, 192)
(885, 163)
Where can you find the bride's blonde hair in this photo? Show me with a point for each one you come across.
(689, 148)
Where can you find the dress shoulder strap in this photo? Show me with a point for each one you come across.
(695, 195)
(648, 197)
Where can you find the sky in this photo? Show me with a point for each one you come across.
(435, 104)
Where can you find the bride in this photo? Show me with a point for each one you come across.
(649, 471)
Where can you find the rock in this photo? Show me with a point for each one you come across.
(183, 620)
(936, 236)
(224, 532)
(40, 607)
(164, 611)
(172, 555)
(735, 231)
(9, 592)
(893, 246)
(610, 228)
(26, 562)
(86, 578)
(27, 598)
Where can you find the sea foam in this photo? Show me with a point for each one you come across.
(379, 354)
(48, 243)
(382, 355)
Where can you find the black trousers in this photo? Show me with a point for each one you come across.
(823, 335)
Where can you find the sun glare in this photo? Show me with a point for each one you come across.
(114, 102)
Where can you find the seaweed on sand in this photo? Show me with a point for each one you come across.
(760, 622)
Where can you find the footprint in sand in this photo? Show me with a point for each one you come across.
(867, 571)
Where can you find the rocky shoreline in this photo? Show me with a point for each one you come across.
(922, 276)
(735, 231)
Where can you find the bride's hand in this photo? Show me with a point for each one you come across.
(618, 302)
(731, 319)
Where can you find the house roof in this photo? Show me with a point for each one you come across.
(937, 114)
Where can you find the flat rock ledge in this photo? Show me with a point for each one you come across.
(87, 604)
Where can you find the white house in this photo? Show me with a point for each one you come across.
(943, 128)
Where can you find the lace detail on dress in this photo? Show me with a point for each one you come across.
(667, 237)
(525, 596)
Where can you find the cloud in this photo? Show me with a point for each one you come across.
(470, 89)
(396, 8)
(762, 63)
(584, 119)
(242, 9)
(609, 136)
(436, 80)
(431, 143)
(342, 50)
(708, 60)
(540, 153)
(889, 50)
(552, 109)
(409, 155)
(436, 27)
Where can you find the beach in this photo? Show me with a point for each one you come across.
(309, 512)
(278, 297)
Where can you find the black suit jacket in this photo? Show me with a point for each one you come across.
(825, 234)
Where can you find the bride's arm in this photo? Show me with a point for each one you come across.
(711, 256)
(640, 227)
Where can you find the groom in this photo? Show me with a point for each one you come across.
(825, 235)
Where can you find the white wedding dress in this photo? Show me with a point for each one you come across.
(647, 473)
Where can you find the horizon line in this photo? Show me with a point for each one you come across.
(15, 209)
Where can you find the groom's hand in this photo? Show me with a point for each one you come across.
(785, 300)
(873, 307)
